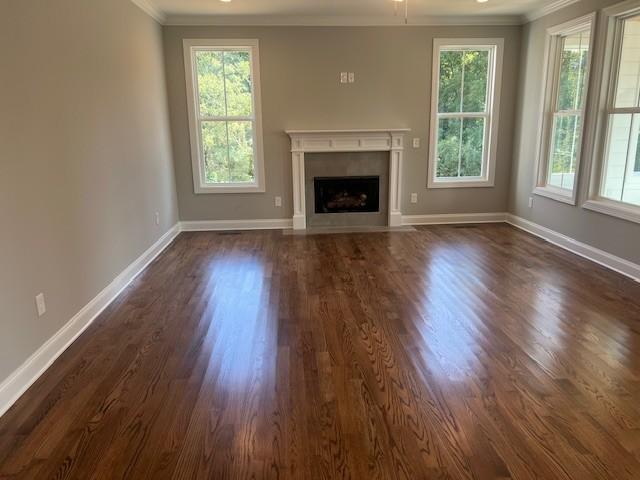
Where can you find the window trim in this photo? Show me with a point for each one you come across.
(493, 115)
(199, 185)
(551, 85)
(609, 50)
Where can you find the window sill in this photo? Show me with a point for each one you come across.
(209, 189)
(614, 209)
(460, 184)
(556, 194)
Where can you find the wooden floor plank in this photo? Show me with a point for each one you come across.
(443, 353)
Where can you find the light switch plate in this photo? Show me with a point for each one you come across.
(344, 77)
(278, 201)
(416, 143)
(40, 304)
(414, 198)
(352, 77)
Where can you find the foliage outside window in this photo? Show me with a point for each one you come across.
(224, 105)
(464, 102)
(568, 65)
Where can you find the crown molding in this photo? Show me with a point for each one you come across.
(346, 21)
(338, 21)
(546, 10)
(150, 9)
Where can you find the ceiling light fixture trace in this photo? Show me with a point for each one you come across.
(406, 9)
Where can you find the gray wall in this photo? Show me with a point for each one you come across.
(85, 158)
(300, 68)
(608, 233)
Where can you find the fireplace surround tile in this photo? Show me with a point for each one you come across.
(347, 164)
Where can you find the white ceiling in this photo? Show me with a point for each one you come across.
(299, 11)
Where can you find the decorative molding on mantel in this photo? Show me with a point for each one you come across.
(355, 140)
(547, 9)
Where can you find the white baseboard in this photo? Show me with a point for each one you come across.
(612, 262)
(221, 225)
(24, 376)
(21, 379)
(453, 218)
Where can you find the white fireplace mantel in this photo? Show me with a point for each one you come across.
(376, 140)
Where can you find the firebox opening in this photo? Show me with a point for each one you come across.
(347, 194)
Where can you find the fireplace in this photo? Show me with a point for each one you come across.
(347, 194)
(321, 154)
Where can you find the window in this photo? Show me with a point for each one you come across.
(223, 99)
(615, 185)
(566, 84)
(621, 153)
(464, 119)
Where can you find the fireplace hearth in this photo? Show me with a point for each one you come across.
(347, 194)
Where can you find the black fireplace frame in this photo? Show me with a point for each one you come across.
(324, 187)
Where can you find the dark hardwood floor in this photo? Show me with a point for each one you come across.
(465, 353)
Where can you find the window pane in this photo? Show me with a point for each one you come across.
(573, 71)
(227, 148)
(619, 182)
(472, 141)
(631, 192)
(627, 94)
(463, 81)
(636, 167)
(241, 152)
(214, 151)
(210, 83)
(476, 70)
(450, 93)
(566, 138)
(448, 147)
(237, 68)
(460, 147)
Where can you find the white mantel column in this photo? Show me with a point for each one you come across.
(395, 179)
(299, 206)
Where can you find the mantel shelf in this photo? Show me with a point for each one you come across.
(348, 131)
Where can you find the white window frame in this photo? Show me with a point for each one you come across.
(191, 46)
(551, 85)
(494, 87)
(609, 48)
